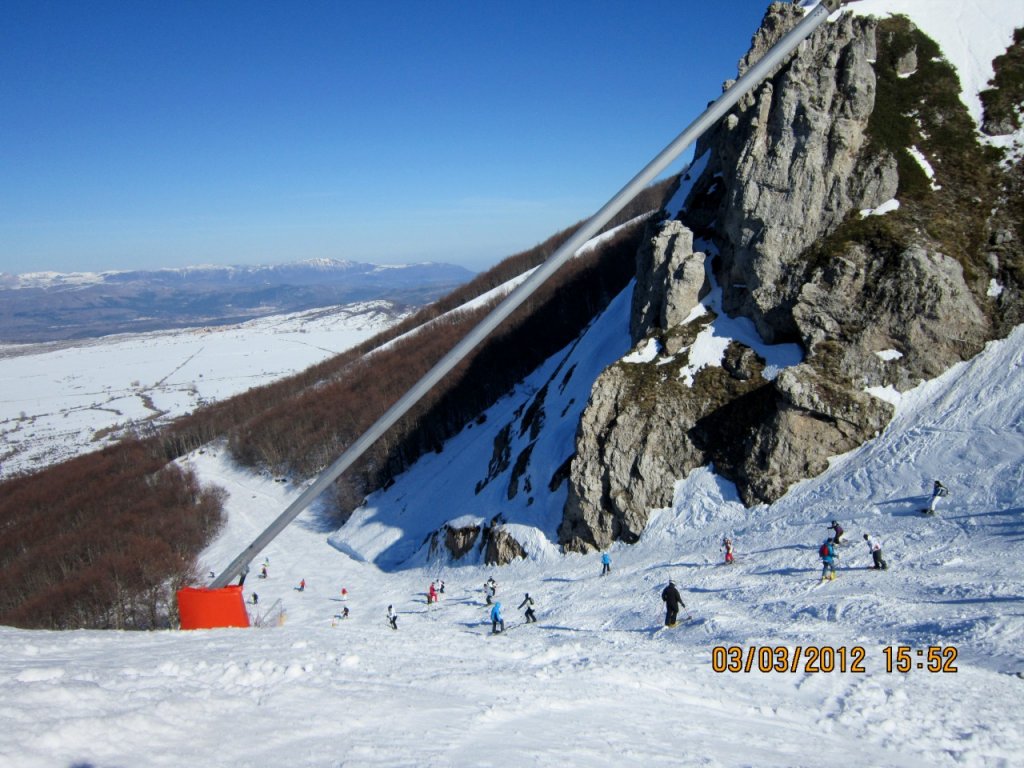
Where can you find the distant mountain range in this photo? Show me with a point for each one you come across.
(51, 306)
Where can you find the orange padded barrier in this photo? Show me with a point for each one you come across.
(202, 608)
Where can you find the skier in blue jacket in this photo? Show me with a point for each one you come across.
(828, 560)
(496, 619)
(606, 563)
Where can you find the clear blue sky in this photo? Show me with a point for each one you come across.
(148, 134)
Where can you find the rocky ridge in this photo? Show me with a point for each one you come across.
(793, 213)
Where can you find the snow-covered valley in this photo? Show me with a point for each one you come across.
(66, 398)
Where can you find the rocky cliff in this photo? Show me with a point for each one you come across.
(846, 206)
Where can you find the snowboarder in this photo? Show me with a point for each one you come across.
(875, 548)
(837, 530)
(606, 563)
(432, 594)
(344, 612)
(263, 571)
(496, 619)
(301, 587)
(392, 618)
(828, 555)
(440, 588)
(344, 594)
(938, 491)
(490, 589)
(528, 602)
(727, 545)
(255, 599)
(673, 601)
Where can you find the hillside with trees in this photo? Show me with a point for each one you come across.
(103, 540)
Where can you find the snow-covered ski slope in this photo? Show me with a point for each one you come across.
(594, 682)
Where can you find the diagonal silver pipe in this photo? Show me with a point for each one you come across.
(717, 110)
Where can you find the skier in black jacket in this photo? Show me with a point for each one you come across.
(670, 595)
(528, 602)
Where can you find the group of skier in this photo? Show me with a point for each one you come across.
(670, 594)
(434, 591)
(490, 589)
(497, 619)
(827, 551)
(829, 556)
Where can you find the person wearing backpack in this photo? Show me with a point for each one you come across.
(875, 548)
(837, 535)
(528, 602)
(938, 492)
(606, 563)
(827, 553)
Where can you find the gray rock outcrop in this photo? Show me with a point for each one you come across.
(669, 279)
(496, 544)
(502, 548)
(460, 541)
(792, 153)
(789, 177)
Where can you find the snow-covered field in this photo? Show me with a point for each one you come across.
(61, 400)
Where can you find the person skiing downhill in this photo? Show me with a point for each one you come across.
(828, 555)
(606, 563)
(938, 491)
(673, 600)
(431, 594)
(496, 619)
(727, 545)
(528, 602)
(875, 548)
(837, 532)
(392, 618)
(490, 589)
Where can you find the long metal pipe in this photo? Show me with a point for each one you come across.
(591, 227)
